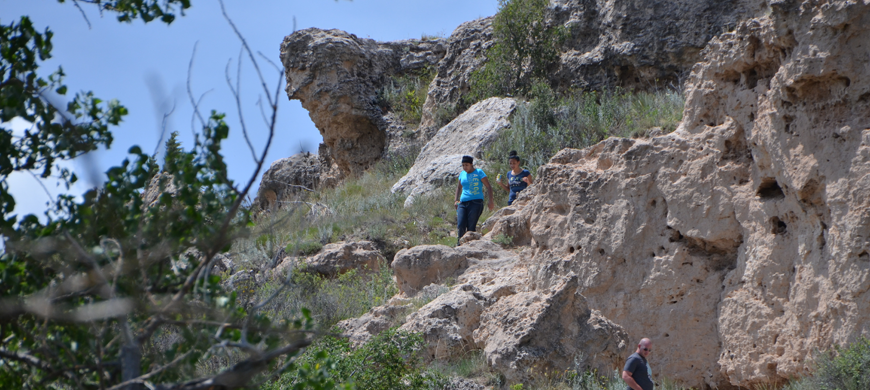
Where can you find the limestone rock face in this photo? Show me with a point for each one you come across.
(447, 323)
(160, 184)
(529, 334)
(340, 257)
(439, 162)
(287, 177)
(336, 76)
(466, 47)
(739, 242)
(638, 43)
(641, 44)
(423, 265)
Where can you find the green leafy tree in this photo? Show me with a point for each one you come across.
(87, 293)
(524, 48)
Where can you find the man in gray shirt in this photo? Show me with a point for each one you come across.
(637, 374)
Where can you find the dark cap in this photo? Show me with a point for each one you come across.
(467, 159)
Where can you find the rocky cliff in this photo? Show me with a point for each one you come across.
(739, 243)
(629, 43)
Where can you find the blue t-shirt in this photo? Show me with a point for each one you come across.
(515, 182)
(472, 187)
(640, 371)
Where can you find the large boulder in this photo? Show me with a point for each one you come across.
(287, 177)
(423, 265)
(447, 323)
(469, 134)
(336, 76)
(739, 242)
(340, 257)
(545, 332)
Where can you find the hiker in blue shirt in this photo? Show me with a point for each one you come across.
(518, 178)
(469, 197)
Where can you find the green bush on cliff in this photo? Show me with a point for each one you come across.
(524, 48)
(843, 368)
(404, 95)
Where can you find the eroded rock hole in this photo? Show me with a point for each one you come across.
(769, 189)
(601, 251)
(570, 249)
(788, 121)
(777, 226)
(863, 256)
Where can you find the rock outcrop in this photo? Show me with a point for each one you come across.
(631, 43)
(545, 332)
(738, 243)
(287, 177)
(340, 257)
(639, 44)
(336, 77)
(423, 265)
(447, 323)
(439, 162)
(466, 48)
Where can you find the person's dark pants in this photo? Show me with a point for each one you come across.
(467, 215)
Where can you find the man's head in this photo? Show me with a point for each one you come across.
(644, 347)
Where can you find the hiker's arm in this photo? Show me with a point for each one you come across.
(528, 179)
(458, 193)
(626, 376)
(491, 202)
(506, 188)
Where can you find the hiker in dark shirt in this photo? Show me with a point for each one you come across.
(637, 374)
(518, 178)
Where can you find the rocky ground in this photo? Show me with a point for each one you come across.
(738, 243)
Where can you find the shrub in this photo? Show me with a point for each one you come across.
(503, 240)
(303, 248)
(523, 50)
(840, 369)
(390, 360)
(405, 95)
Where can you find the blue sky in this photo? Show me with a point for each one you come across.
(145, 67)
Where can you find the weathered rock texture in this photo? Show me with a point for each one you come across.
(531, 334)
(340, 257)
(448, 321)
(466, 49)
(643, 44)
(336, 76)
(638, 43)
(378, 319)
(439, 162)
(287, 177)
(739, 243)
(631, 43)
(423, 265)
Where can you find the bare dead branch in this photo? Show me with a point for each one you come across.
(76, 3)
(237, 95)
